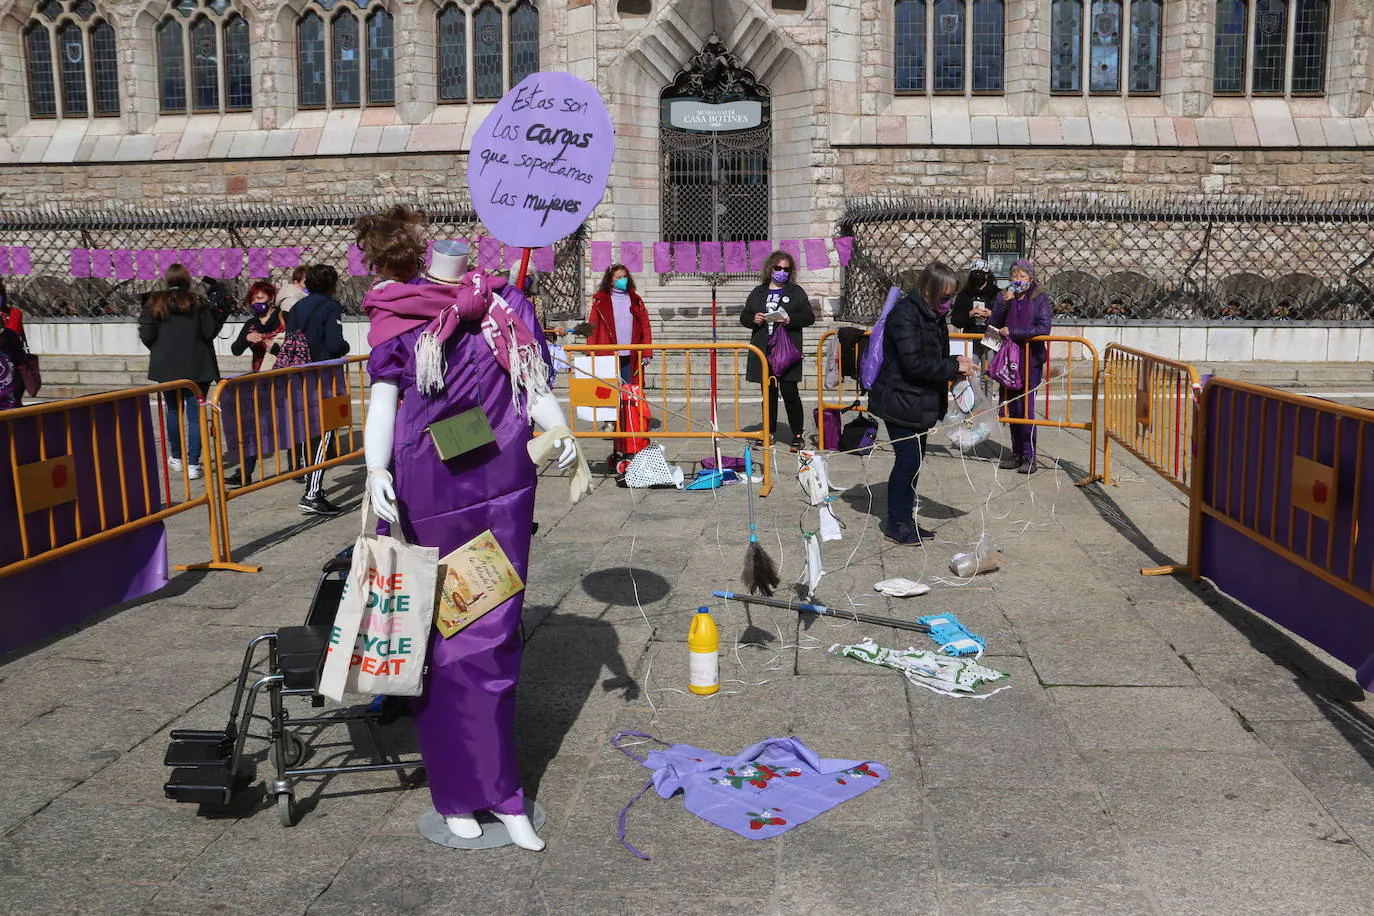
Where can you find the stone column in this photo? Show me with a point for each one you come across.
(1349, 73)
(1186, 73)
(1026, 65)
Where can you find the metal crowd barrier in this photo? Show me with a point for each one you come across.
(85, 470)
(1058, 387)
(684, 372)
(1282, 486)
(1148, 408)
(273, 422)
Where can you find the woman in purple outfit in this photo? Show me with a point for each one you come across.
(443, 342)
(1023, 312)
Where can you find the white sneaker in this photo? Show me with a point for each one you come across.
(174, 464)
(194, 472)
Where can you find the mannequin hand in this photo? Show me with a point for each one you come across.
(383, 494)
(567, 452)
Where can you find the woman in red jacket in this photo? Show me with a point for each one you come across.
(619, 317)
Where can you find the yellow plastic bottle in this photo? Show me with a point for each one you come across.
(703, 641)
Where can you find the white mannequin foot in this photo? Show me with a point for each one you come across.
(521, 831)
(464, 825)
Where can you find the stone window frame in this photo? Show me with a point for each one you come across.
(469, 10)
(1289, 49)
(329, 13)
(968, 10)
(1125, 14)
(222, 19)
(53, 17)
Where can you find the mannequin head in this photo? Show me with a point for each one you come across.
(391, 242)
(449, 261)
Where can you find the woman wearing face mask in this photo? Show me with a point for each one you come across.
(1023, 312)
(778, 306)
(618, 316)
(911, 393)
(266, 324)
(973, 305)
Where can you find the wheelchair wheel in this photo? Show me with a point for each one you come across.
(286, 809)
(294, 751)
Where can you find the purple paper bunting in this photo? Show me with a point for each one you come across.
(736, 257)
(124, 264)
(817, 255)
(685, 257)
(101, 265)
(710, 257)
(759, 250)
(212, 263)
(543, 259)
(429, 252)
(663, 258)
(166, 257)
(512, 256)
(632, 256)
(286, 258)
(488, 253)
(357, 263)
(233, 263)
(81, 262)
(145, 263)
(601, 256)
(20, 262)
(4, 260)
(793, 249)
(190, 259)
(259, 263)
(844, 247)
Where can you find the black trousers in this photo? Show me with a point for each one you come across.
(791, 398)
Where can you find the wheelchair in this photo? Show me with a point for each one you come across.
(210, 768)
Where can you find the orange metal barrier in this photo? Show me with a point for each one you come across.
(88, 469)
(691, 367)
(271, 421)
(1280, 489)
(1060, 373)
(1148, 407)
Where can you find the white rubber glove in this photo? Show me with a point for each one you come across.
(547, 414)
(378, 435)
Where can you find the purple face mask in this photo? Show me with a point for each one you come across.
(260, 308)
(1019, 286)
(780, 275)
(945, 305)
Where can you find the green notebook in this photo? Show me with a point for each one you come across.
(456, 435)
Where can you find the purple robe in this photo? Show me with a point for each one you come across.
(465, 719)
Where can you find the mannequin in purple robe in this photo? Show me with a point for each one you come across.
(465, 719)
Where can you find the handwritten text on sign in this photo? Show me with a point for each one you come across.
(540, 160)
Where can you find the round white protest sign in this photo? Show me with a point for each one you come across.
(540, 161)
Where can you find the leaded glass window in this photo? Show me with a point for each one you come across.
(1309, 47)
(524, 41)
(949, 46)
(381, 61)
(42, 91)
(452, 54)
(487, 63)
(1147, 29)
(171, 66)
(1104, 40)
(310, 60)
(105, 68)
(72, 48)
(238, 65)
(989, 25)
(1066, 46)
(910, 45)
(1228, 66)
(344, 60)
(205, 65)
(1271, 34)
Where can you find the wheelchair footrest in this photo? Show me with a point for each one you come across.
(201, 785)
(200, 753)
(200, 734)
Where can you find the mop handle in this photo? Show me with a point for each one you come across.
(823, 611)
(749, 484)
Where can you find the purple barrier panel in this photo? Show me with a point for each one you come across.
(1285, 477)
(286, 408)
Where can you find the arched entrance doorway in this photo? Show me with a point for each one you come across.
(714, 139)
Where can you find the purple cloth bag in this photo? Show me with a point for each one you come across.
(873, 356)
(761, 792)
(782, 352)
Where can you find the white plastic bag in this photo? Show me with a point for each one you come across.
(986, 557)
(964, 424)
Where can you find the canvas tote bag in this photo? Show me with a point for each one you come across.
(381, 633)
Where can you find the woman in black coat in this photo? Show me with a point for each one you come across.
(178, 327)
(779, 306)
(912, 390)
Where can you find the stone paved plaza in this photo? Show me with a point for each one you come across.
(1161, 750)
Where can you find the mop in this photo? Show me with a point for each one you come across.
(760, 572)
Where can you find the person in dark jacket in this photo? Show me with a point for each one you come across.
(912, 390)
(973, 305)
(259, 332)
(1021, 313)
(319, 317)
(178, 327)
(778, 306)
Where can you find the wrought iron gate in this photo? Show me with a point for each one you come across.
(715, 186)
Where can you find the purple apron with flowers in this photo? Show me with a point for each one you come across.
(762, 791)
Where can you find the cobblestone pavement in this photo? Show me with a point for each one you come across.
(1161, 750)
